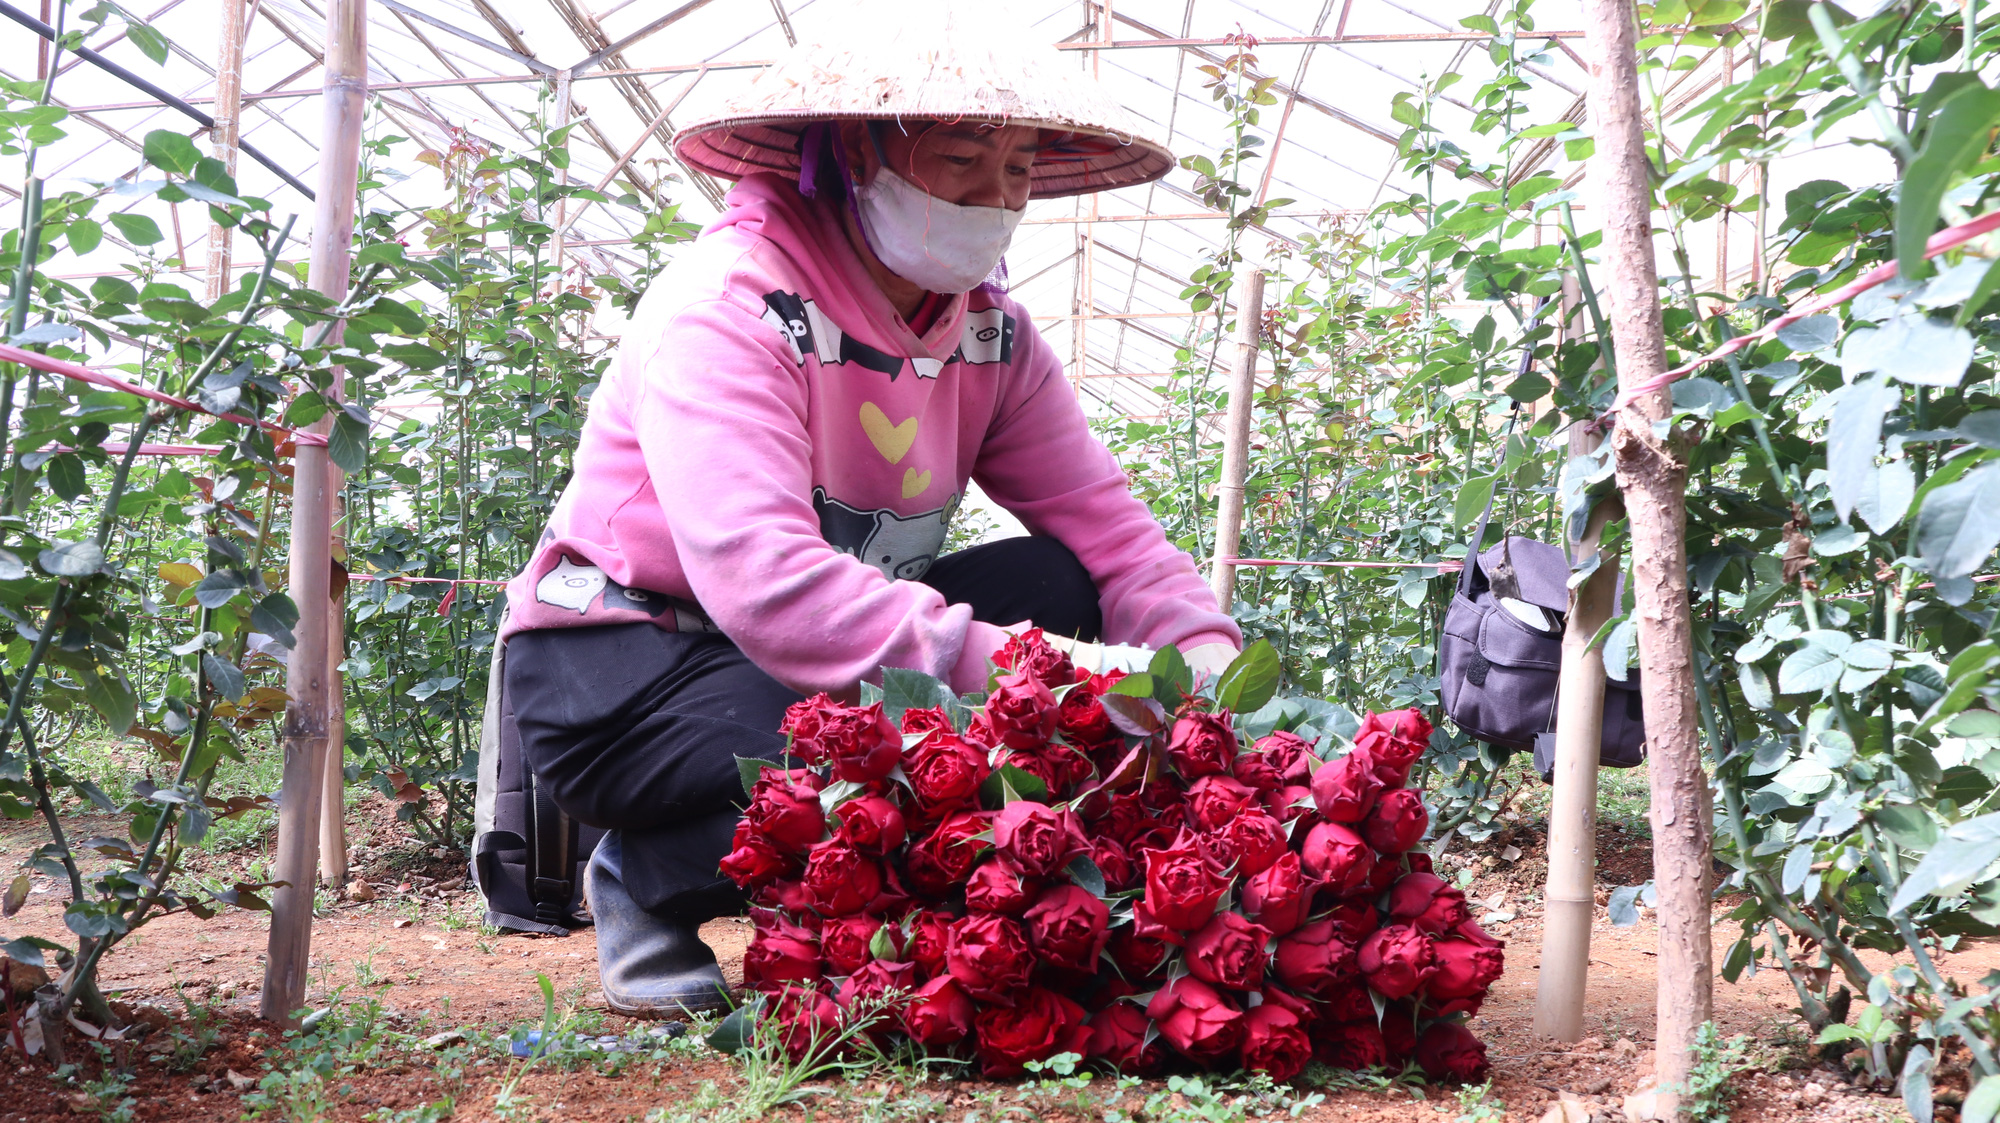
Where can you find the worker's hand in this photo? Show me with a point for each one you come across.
(1098, 658)
(1210, 659)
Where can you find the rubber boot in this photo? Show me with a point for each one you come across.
(650, 966)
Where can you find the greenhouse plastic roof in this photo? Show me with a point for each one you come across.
(1101, 274)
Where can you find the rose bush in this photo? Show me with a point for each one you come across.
(1108, 865)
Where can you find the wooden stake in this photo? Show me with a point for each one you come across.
(1236, 439)
(228, 117)
(333, 812)
(1653, 478)
(308, 679)
(1569, 898)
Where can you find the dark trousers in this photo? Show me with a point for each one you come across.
(637, 730)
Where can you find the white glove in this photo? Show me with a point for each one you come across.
(1098, 658)
(1210, 659)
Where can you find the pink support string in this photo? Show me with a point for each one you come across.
(1947, 239)
(12, 354)
(1442, 567)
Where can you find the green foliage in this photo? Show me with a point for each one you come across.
(1716, 1061)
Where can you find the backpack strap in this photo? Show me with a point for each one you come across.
(551, 860)
(1468, 575)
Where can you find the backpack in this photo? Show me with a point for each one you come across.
(527, 855)
(1500, 671)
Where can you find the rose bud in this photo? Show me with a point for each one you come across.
(1419, 862)
(1275, 1042)
(941, 860)
(998, 885)
(1030, 653)
(1397, 823)
(1040, 839)
(1449, 1051)
(1279, 898)
(1214, 800)
(1314, 959)
(843, 942)
(782, 954)
(1355, 1045)
(1202, 745)
(1182, 888)
(989, 956)
(1345, 790)
(1396, 960)
(1021, 712)
(787, 894)
(945, 773)
(1354, 920)
(1120, 873)
(930, 932)
(1394, 740)
(1195, 1019)
(1258, 771)
(755, 862)
(1229, 952)
(1336, 855)
(1068, 927)
(1381, 875)
(1118, 1037)
(1293, 801)
(839, 880)
(1349, 1002)
(1252, 841)
(871, 824)
(784, 808)
(1125, 818)
(1307, 1012)
(861, 743)
(929, 719)
(1470, 930)
(1428, 903)
(805, 1019)
(1137, 956)
(803, 720)
(1399, 1031)
(1081, 718)
(1290, 753)
(1464, 973)
(1042, 1024)
(1041, 764)
(939, 1013)
(880, 989)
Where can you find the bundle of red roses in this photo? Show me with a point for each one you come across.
(1097, 864)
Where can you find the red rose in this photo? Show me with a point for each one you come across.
(755, 862)
(1042, 1024)
(998, 885)
(1396, 960)
(1114, 863)
(1229, 952)
(1041, 839)
(1281, 896)
(879, 990)
(1182, 888)
(1419, 862)
(1314, 959)
(1213, 801)
(1021, 712)
(782, 954)
(1354, 920)
(784, 808)
(942, 859)
(1202, 745)
(1336, 855)
(839, 880)
(860, 742)
(1345, 790)
(939, 1013)
(1348, 1002)
(1118, 1037)
(1399, 1031)
(843, 942)
(1290, 753)
(803, 720)
(989, 956)
(1395, 740)
(805, 1019)
(1195, 1019)
(1030, 653)
(1275, 1042)
(1470, 930)
(1081, 718)
(787, 894)
(1137, 956)
(1381, 875)
(1465, 971)
(929, 719)
(1428, 903)
(871, 824)
(1252, 840)
(1068, 926)
(945, 772)
(1293, 801)
(930, 933)
(1258, 771)
(1397, 823)
(1125, 818)
(1040, 763)
(1449, 1051)
(1355, 1045)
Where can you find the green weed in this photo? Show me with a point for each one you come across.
(1705, 1096)
(1476, 1104)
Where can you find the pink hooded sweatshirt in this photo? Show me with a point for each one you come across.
(774, 455)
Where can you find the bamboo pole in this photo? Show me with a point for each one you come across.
(228, 119)
(1569, 897)
(1652, 475)
(333, 810)
(1236, 439)
(308, 679)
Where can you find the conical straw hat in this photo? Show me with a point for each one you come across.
(944, 59)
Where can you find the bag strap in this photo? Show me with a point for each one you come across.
(1467, 575)
(551, 868)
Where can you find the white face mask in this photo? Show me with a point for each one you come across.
(942, 246)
